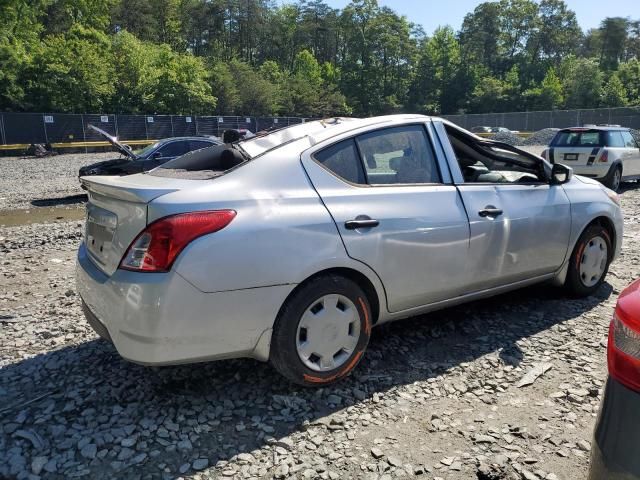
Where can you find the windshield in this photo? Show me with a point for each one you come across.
(579, 138)
(146, 150)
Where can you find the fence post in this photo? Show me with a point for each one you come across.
(84, 134)
(115, 126)
(44, 126)
(578, 118)
(146, 130)
(171, 120)
(2, 134)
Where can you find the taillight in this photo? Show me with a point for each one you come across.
(157, 246)
(623, 352)
(604, 158)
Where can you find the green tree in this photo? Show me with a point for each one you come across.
(613, 32)
(143, 25)
(72, 72)
(559, 33)
(479, 36)
(518, 18)
(19, 38)
(629, 74)
(181, 84)
(613, 93)
(582, 82)
(499, 95)
(548, 95)
(258, 95)
(134, 73)
(441, 81)
(169, 22)
(225, 88)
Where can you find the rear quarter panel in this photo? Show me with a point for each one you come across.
(282, 233)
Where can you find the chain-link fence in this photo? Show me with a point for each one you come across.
(27, 128)
(533, 121)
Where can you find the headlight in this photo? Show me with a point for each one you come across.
(613, 196)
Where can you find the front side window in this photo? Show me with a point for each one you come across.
(143, 152)
(400, 155)
(485, 162)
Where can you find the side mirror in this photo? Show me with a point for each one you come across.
(156, 155)
(561, 174)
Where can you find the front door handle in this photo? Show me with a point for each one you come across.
(361, 223)
(490, 211)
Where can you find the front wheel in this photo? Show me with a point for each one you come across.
(321, 332)
(589, 262)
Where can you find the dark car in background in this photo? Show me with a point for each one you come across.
(615, 454)
(147, 158)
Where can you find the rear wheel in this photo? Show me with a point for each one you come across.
(321, 332)
(589, 262)
(614, 178)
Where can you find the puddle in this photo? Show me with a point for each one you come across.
(11, 218)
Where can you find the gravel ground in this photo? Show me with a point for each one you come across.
(437, 396)
(29, 182)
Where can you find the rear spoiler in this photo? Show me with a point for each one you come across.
(136, 189)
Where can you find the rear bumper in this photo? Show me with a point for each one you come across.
(161, 319)
(597, 170)
(615, 454)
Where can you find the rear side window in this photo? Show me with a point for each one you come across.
(629, 141)
(582, 138)
(174, 149)
(199, 144)
(614, 139)
(400, 155)
(342, 159)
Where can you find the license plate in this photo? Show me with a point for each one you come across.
(101, 226)
(571, 156)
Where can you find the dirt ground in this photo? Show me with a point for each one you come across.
(436, 396)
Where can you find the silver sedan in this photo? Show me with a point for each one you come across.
(290, 247)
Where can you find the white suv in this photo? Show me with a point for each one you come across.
(608, 154)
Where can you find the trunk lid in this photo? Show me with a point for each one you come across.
(578, 146)
(575, 156)
(117, 213)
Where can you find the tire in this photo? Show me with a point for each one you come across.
(614, 178)
(299, 348)
(589, 264)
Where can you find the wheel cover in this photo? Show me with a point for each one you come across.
(593, 261)
(616, 179)
(328, 333)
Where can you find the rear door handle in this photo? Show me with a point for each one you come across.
(490, 211)
(361, 223)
